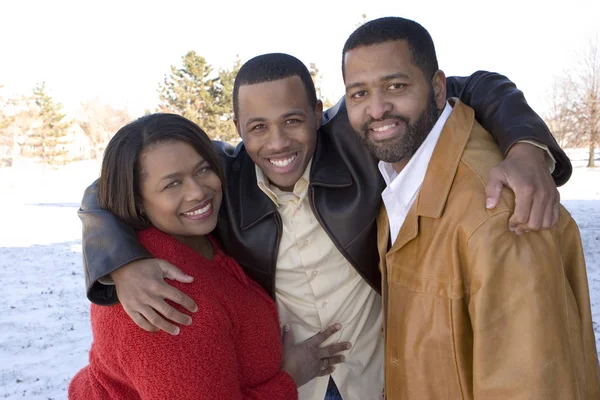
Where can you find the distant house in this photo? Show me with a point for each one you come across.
(74, 146)
(79, 146)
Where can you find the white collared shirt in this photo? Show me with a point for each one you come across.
(402, 189)
(315, 287)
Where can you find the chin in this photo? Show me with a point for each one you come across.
(206, 228)
(211, 226)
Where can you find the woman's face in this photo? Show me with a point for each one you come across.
(181, 194)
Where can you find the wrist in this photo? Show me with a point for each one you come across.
(291, 375)
(289, 369)
(525, 149)
(106, 280)
(116, 275)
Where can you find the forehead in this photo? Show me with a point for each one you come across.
(168, 157)
(366, 63)
(274, 98)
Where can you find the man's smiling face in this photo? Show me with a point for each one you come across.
(279, 128)
(391, 104)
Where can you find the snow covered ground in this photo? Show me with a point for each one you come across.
(44, 326)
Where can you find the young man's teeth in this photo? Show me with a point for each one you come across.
(283, 163)
(384, 128)
(199, 211)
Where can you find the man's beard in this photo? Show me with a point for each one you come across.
(398, 149)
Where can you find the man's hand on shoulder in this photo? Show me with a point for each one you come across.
(142, 291)
(525, 171)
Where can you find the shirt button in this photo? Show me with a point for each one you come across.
(324, 304)
(315, 273)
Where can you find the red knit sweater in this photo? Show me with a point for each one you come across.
(232, 350)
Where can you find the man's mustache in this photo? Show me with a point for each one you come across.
(388, 116)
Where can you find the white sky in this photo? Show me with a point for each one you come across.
(120, 50)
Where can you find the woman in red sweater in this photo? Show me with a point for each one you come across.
(162, 175)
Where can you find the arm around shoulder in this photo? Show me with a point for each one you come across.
(503, 111)
(107, 244)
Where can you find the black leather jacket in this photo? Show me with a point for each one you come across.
(344, 192)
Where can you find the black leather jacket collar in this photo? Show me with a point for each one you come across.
(327, 170)
(250, 226)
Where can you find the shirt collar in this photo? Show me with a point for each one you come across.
(407, 183)
(277, 195)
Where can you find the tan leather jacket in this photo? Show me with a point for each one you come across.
(473, 310)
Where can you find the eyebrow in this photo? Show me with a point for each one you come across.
(383, 79)
(255, 119)
(176, 174)
(294, 113)
(284, 116)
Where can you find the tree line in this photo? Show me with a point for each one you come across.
(35, 126)
(194, 91)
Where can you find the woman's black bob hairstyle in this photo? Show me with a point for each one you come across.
(119, 183)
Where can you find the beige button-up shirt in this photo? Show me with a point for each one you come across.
(317, 287)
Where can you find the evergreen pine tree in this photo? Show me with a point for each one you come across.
(189, 91)
(48, 136)
(202, 96)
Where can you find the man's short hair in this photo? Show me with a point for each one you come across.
(388, 29)
(272, 67)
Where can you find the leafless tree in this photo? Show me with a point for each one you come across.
(575, 103)
(317, 78)
(586, 84)
(6, 136)
(16, 119)
(560, 117)
(100, 122)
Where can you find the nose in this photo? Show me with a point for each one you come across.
(378, 105)
(195, 190)
(278, 140)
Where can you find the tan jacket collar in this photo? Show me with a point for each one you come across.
(440, 173)
(444, 162)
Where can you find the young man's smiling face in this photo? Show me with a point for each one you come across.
(279, 128)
